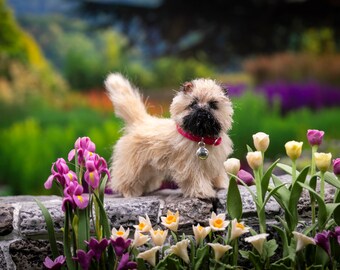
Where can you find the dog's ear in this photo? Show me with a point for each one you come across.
(187, 87)
(225, 89)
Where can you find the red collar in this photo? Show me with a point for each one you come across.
(206, 140)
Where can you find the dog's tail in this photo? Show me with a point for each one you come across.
(126, 100)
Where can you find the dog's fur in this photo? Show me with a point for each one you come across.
(152, 149)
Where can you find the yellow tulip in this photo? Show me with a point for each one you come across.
(323, 161)
(293, 149)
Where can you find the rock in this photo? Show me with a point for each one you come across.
(30, 254)
(6, 219)
(32, 221)
(3, 264)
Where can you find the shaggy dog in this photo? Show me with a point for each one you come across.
(190, 147)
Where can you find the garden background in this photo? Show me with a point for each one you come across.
(280, 60)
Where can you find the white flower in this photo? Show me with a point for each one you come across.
(149, 255)
(254, 159)
(261, 141)
(237, 229)
(158, 236)
(218, 222)
(293, 149)
(120, 233)
(144, 224)
(181, 250)
(232, 165)
(139, 239)
(219, 250)
(323, 161)
(200, 232)
(171, 221)
(302, 240)
(257, 241)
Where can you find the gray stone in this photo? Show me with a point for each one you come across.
(32, 221)
(125, 211)
(26, 198)
(30, 254)
(6, 219)
(3, 264)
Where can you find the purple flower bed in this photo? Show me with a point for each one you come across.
(297, 95)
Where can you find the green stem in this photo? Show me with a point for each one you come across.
(258, 187)
(262, 221)
(312, 168)
(293, 171)
(322, 185)
(313, 213)
(235, 252)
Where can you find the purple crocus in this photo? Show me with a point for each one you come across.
(62, 175)
(336, 166)
(83, 146)
(91, 175)
(120, 245)
(336, 234)
(125, 264)
(246, 177)
(56, 264)
(322, 240)
(84, 258)
(315, 136)
(98, 246)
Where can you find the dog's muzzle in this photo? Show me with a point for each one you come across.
(201, 122)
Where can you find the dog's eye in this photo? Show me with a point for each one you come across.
(213, 104)
(193, 103)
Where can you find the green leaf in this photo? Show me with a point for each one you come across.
(104, 219)
(102, 188)
(283, 193)
(249, 149)
(83, 228)
(67, 240)
(202, 255)
(141, 264)
(331, 179)
(295, 196)
(234, 201)
(270, 247)
(286, 168)
(270, 194)
(283, 237)
(336, 215)
(266, 178)
(244, 254)
(50, 228)
(256, 261)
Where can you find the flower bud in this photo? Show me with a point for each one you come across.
(323, 161)
(293, 149)
(315, 136)
(246, 177)
(261, 141)
(254, 159)
(336, 166)
(232, 165)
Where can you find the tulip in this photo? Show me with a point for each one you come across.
(257, 241)
(254, 160)
(315, 136)
(261, 141)
(139, 239)
(181, 250)
(125, 264)
(120, 245)
(218, 222)
(246, 177)
(323, 161)
(120, 233)
(144, 224)
(158, 236)
(200, 232)
(322, 240)
(219, 250)
(150, 255)
(336, 166)
(171, 221)
(302, 240)
(232, 165)
(97, 246)
(56, 264)
(237, 229)
(293, 149)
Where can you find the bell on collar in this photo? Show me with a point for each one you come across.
(202, 152)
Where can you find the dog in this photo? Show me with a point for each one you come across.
(189, 148)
